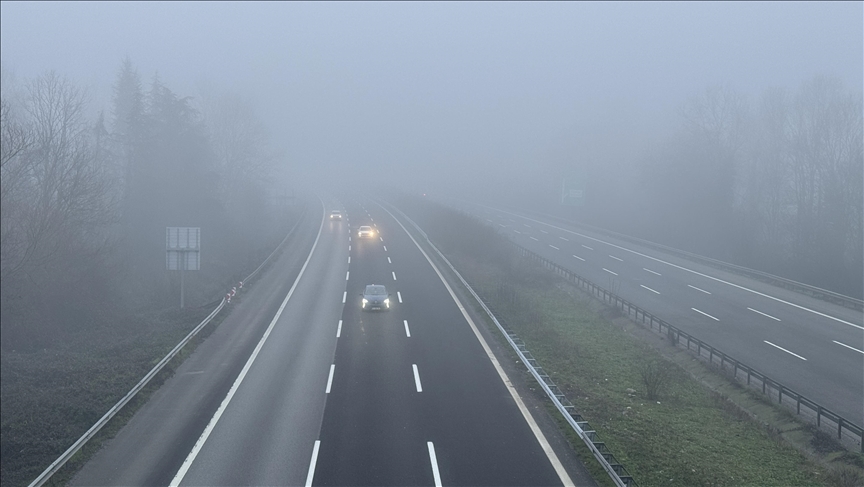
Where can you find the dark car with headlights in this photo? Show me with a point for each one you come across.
(375, 297)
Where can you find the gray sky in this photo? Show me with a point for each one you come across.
(408, 89)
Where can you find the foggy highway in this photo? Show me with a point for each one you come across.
(812, 346)
(300, 386)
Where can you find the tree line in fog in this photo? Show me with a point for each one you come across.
(774, 183)
(86, 199)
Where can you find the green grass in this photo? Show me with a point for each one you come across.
(690, 435)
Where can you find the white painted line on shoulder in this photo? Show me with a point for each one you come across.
(538, 433)
(534, 239)
(587, 247)
(847, 346)
(434, 460)
(417, 378)
(187, 463)
(330, 379)
(655, 259)
(389, 261)
(652, 272)
(344, 296)
(616, 258)
(399, 295)
(696, 288)
(407, 331)
(564, 239)
(704, 313)
(385, 248)
(312, 463)
(648, 288)
(610, 272)
(554, 247)
(787, 351)
(339, 329)
(394, 274)
(580, 258)
(347, 273)
(764, 314)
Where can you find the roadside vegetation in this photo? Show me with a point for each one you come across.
(665, 426)
(87, 305)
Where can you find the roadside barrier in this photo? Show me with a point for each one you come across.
(604, 457)
(816, 292)
(847, 432)
(90, 433)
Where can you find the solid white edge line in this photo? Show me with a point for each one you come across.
(580, 258)
(693, 272)
(704, 313)
(434, 461)
(399, 295)
(312, 463)
(339, 329)
(763, 314)
(787, 351)
(648, 288)
(610, 272)
(187, 463)
(847, 346)
(344, 296)
(407, 331)
(652, 272)
(330, 378)
(696, 288)
(416, 377)
(532, 424)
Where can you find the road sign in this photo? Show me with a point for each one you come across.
(183, 248)
(572, 192)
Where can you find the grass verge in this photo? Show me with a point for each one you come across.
(688, 432)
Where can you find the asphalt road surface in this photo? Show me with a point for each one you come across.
(300, 386)
(814, 347)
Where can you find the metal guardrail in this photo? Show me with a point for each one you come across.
(604, 457)
(90, 433)
(847, 432)
(816, 292)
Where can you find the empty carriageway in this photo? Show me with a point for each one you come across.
(812, 346)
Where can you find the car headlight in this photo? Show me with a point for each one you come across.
(365, 301)
(387, 302)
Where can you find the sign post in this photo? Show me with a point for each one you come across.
(183, 253)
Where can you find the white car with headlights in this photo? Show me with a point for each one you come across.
(365, 232)
(375, 297)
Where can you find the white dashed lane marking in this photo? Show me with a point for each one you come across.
(648, 288)
(696, 288)
(587, 247)
(764, 314)
(554, 247)
(610, 272)
(417, 378)
(616, 258)
(652, 272)
(847, 346)
(704, 313)
(580, 258)
(787, 351)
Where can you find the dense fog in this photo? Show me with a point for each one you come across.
(733, 130)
